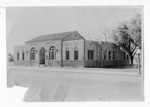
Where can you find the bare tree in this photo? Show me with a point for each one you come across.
(106, 32)
(100, 44)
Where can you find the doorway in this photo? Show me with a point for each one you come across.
(42, 55)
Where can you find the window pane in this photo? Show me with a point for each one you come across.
(23, 56)
(17, 56)
(52, 55)
(124, 57)
(33, 55)
(90, 54)
(76, 55)
(67, 55)
(113, 55)
(104, 56)
(109, 55)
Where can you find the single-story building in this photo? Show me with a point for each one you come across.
(68, 49)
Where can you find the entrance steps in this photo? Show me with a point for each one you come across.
(42, 65)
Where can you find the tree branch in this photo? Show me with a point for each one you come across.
(134, 54)
(134, 49)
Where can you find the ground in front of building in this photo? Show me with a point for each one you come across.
(76, 84)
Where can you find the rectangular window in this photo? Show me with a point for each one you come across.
(104, 56)
(67, 55)
(17, 55)
(75, 55)
(90, 54)
(109, 55)
(127, 57)
(22, 55)
(113, 55)
(124, 55)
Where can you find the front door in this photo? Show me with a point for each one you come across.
(42, 55)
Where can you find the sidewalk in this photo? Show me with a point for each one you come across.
(104, 71)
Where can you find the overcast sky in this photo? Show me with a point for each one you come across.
(25, 23)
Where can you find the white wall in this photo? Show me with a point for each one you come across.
(71, 45)
(38, 46)
(46, 45)
(89, 45)
(19, 49)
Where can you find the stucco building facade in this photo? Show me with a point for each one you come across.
(68, 49)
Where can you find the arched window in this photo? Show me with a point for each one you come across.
(67, 53)
(52, 53)
(32, 54)
(75, 53)
(22, 55)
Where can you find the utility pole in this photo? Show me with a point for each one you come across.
(139, 53)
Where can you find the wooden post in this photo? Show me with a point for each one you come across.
(138, 53)
(139, 63)
(62, 53)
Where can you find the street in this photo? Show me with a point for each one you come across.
(77, 84)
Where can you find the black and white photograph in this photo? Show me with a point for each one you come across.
(75, 53)
(86, 53)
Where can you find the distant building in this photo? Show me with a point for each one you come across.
(68, 49)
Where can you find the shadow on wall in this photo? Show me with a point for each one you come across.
(114, 67)
(118, 67)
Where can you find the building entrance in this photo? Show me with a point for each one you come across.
(42, 55)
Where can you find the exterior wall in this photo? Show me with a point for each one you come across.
(54, 63)
(73, 63)
(71, 44)
(38, 45)
(71, 41)
(91, 63)
(73, 36)
(19, 49)
(118, 60)
(20, 63)
(89, 45)
(26, 63)
(46, 45)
